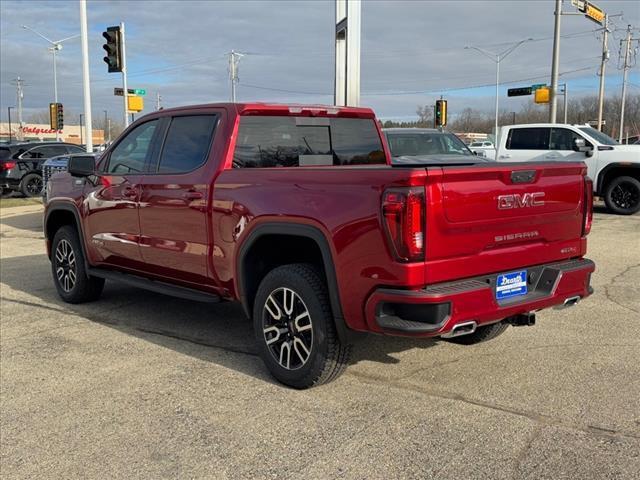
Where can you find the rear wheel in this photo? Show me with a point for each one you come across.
(31, 185)
(622, 195)
(294, 327)
(73, 283)
(482, 334)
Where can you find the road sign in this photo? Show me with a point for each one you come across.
(542, 95)
(519, 92)
(590, 10)
(538, 85)
(135, 103)
(594, 123)
(132, 91)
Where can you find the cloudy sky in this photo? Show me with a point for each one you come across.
(412, 52)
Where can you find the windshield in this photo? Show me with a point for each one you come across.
(600, 137)
(426, 144)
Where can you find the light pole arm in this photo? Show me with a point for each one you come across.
(26, 27)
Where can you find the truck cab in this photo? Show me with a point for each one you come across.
(614, 168)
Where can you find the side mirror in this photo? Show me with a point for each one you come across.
(580, 145)
(82, 165)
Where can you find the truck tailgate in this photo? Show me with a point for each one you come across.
(498, 217)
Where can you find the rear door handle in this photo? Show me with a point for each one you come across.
(192, 195)
(506, 155)
(552, 155)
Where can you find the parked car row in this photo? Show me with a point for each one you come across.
(21, 165)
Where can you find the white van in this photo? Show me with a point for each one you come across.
(614, 168)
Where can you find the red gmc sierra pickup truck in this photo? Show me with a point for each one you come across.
(296, 212)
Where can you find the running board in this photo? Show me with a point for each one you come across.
(155, 286)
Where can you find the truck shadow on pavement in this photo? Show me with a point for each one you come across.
(215, 333)
(31, 222)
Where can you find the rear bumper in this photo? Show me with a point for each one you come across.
(436, 309)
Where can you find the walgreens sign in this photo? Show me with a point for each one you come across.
(37, 130)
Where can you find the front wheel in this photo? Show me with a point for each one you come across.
(73, 283)
(294, 327)
(622, 195)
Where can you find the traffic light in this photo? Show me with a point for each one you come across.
(518, 92)
(440, 113)
(113, 48)
(60, 116)
(56, 116)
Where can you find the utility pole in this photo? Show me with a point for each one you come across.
(566, 101)
(603, 64)
(158, 101)
(555, 64)
(625, 67)
(234, 61)
(86, 86)
(109, 129)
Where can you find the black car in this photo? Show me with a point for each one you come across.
(21, 165)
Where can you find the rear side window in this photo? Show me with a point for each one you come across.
(272, 141)
(74, 149)
(187, 143)
(528, 139)
(46, 152)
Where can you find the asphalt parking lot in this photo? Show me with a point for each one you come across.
(141, 385)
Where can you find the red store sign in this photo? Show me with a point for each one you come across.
(38, 130)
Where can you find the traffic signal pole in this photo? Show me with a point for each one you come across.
(55, 84)
(125, 95)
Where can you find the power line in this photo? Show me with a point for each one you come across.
(416, 92)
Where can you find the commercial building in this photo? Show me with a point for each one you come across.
(38, 132)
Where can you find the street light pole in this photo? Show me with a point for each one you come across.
(56, 45)
(497, 58)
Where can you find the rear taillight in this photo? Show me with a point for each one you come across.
(7, 165)
(403, 212)
(588, 206)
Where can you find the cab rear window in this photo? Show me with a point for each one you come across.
(272, 141)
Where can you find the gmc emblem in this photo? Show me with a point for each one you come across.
(516, 200)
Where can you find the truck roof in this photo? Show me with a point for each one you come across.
(281, 108)
(547, 125)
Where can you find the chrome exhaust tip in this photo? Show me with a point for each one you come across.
(464, 328)
(569, 302)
